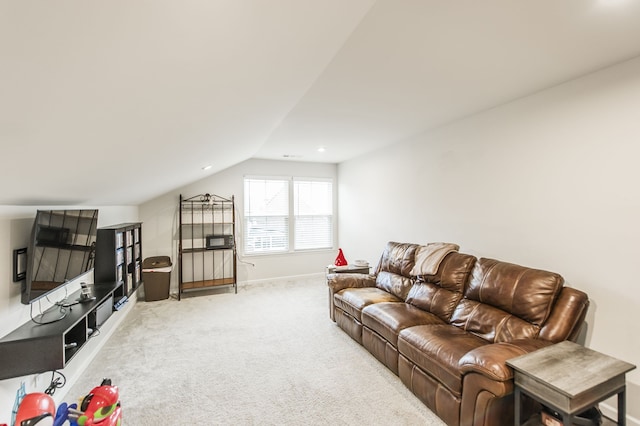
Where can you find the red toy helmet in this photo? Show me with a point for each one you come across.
(101, 407)
(36, 409)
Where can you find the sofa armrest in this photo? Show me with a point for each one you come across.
(490, 360)
(337, 282)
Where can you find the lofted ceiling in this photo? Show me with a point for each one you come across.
(116, 102)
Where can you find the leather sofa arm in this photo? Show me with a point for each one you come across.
(490, 360)
(337, 282)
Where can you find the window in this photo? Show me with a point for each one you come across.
(313, 214)
(282, 213)
(266, 215)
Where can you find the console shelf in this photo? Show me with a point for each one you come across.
(33, 348)
(119, 258)
(207, 283)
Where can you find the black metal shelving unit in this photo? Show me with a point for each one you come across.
(207, 243)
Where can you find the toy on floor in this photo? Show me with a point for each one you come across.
(100, 407)
(36, 409)
(62, 414)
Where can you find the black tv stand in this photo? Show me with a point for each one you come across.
(50, 316)
(36, 348)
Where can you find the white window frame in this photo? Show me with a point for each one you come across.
(291, 218)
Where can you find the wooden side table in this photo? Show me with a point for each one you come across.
(569, 378)
(349, 269)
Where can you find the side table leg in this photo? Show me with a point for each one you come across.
(516, 407)
(622, 416)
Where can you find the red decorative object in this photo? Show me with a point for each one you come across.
(35, 407)
(340, 260)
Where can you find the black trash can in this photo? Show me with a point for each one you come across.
(156, 275)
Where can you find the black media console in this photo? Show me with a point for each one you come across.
(33, 348)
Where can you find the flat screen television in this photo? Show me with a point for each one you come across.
(61, 248)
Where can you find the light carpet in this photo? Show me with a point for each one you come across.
(268, 355)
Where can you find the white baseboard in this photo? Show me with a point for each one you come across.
(268, 281)
(612, 413)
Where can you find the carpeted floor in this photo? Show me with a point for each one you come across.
(268, 355)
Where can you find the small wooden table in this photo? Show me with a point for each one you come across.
(349, 269)
(569, 378)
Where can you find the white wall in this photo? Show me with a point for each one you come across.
(548, 181)
(15, 230)
(160, 220)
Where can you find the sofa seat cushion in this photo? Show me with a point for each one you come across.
(389, 318)
(354, 300)
(437, 350)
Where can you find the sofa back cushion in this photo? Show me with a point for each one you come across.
(441, 293)
(567, 317)
(394, 267)
(397, 258)
(395, 284)
(504, 301)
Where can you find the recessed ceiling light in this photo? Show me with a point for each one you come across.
(321, 149)
(206, 167)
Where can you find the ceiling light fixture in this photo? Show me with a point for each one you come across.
(206, 167)
(321, 149)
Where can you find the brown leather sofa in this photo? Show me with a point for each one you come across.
(448, 335)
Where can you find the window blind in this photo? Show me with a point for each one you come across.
(266, 215)
(313, 214)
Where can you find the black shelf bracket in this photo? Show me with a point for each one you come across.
(19, 264)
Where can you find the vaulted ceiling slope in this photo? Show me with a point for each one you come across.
(116, 102)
